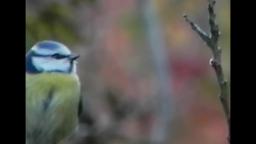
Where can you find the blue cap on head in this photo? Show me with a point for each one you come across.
(49, 47)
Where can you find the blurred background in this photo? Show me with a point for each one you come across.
(145, 74)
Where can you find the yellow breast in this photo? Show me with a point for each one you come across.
(51, 106)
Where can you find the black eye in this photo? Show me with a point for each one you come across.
(58, 56)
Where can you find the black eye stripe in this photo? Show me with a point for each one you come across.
(59, 56)
(56, 55)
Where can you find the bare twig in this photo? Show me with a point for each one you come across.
(212, 42)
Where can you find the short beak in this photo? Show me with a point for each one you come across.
(74, 57)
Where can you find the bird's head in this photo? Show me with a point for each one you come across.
(50, 56)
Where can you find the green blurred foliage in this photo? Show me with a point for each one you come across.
(134, 26)
(79, 2)
(53, 22)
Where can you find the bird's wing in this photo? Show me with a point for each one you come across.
(80, 105)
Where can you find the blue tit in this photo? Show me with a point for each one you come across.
(52, 93)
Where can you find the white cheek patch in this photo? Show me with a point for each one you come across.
(50, 64)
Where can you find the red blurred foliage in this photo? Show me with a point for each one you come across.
(202, 121)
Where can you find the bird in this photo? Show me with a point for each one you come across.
(53, 93)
